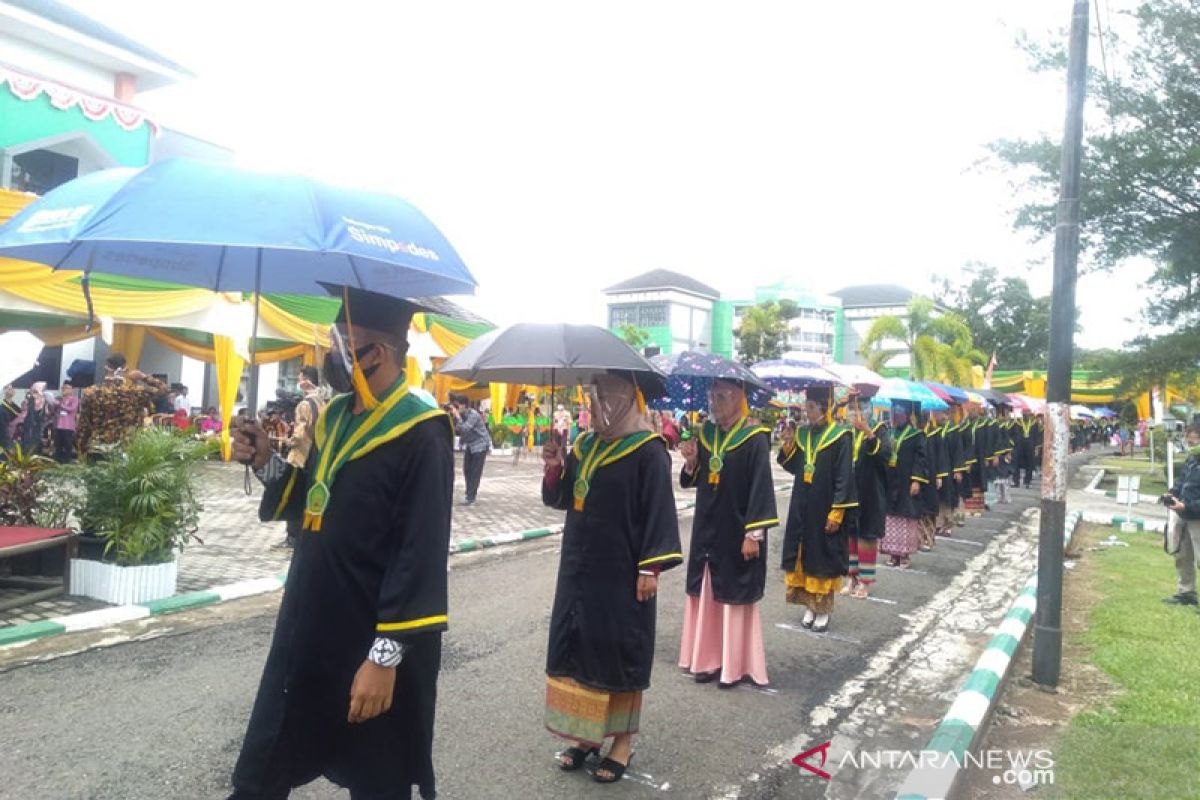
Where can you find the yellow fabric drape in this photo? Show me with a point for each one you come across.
(293, 327)
(229, 366)
(127, 305)
(412, 373)
(22, 274)
(52, 337)
(203, 352)
(498, 392)
(128, 341)
(450, 342)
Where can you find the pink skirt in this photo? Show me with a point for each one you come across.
(900, 536)
(719, 636)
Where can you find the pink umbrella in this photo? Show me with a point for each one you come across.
(857, 377)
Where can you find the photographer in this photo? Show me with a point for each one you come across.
(476, 442)
(1184, 500)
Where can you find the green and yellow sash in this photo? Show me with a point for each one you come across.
(718, 444)
(827, 437)
(341, 437)
(907, 433)
(591, 453)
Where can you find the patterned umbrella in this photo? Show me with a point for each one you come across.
(857, 377)
(791, 375)
(690, 375)
(948, 393)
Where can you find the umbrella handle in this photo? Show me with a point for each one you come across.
(252, 399)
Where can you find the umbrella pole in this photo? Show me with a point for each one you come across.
(252, 398)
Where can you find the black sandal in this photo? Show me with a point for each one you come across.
(615, 768)
(577, 756)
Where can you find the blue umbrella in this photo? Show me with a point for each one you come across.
(900, 389)
(955, 394)
(218, 227)
(690, 375)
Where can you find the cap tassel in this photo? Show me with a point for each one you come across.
(745, 406)
(369, 401)
(641, 400)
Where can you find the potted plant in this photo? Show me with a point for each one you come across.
(140, 501)
(22, 493)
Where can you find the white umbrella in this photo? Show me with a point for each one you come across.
(19, 351)
(1082, 412)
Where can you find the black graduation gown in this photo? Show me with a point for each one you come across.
(376, 568)
(909, 465)
(1026, 438)
(966, 459)
(600, 634)
(951, 462)
(742, 501)
(866, 521)
(1004, 447)
(935, 465)
(824, 555)
(977, 429)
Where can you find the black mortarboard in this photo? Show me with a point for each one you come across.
(822, 395)
(378, 312)
(910, 407)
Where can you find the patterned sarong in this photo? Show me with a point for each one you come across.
(588, 716)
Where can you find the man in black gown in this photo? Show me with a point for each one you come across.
(349, 687)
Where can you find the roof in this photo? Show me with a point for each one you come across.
(63, 15)
(874, 294)
(664, 279)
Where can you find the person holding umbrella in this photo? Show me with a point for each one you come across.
(906, 470)
(729, 465)
(621, 532)
(871, 449)
(348, 690)
(816, 550)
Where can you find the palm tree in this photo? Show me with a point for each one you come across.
(940, 346)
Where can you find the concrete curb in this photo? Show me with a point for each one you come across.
(943, 757)
(1115, 521)
(105, 617)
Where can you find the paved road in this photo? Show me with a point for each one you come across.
(163, 717)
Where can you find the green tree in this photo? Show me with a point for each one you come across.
(1002, 314)
(940, 345)
(1140, 189)
(763, 332)
(635, 337)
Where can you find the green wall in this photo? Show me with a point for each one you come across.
(722, 328)
(658, 336)
(23, 121)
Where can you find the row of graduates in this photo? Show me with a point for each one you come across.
(866, 488)
(859, 488)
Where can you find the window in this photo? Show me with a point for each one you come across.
(622, 315)
(653, 315)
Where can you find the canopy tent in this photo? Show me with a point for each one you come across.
(1087, 386)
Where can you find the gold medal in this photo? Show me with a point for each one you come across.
(715, 463)
(809, 471)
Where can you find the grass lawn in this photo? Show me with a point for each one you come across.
(1144, 741)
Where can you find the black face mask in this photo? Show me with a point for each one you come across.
(339, 379)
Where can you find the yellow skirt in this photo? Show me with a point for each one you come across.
(808, 590)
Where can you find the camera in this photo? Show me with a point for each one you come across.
(1166, 499)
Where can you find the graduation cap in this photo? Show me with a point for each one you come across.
(374, 311)
(821, 395)
(910, 407)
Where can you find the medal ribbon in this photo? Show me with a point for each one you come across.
(810, 455)
(904, 437)
(717, 459)
(591, 462)
(333, 457)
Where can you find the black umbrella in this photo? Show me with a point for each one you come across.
(551, 355)
(690, 374)
(995, 397)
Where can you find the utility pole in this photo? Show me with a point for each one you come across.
(1047, 632)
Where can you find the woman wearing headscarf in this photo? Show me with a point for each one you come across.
(871, 448)
(729, 463)
(906, 470)
(621, 532)
(816, 549)
(37, 417)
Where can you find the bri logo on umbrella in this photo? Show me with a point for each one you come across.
(360, 232)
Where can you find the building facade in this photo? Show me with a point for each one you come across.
(675, 311)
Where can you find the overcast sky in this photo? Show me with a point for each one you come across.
(563, 147)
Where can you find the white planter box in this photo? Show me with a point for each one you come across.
(123, 585)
